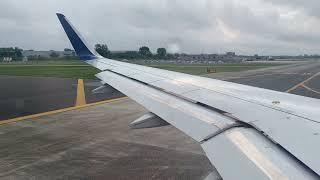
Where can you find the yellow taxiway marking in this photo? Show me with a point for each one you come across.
(58, 111)
(303, 82)
(81, 96)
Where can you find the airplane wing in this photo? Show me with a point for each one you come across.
(246, 132)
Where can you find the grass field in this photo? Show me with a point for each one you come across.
(63, 68)
(78, 69)
(45, 62)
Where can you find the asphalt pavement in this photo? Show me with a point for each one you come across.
(21, 96)
(301, 79)
(97, 143)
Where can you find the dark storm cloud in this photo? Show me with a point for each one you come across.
(195, 26)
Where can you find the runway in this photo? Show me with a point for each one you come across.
(300, 79)
(95, 142)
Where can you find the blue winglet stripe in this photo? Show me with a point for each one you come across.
(79, 46)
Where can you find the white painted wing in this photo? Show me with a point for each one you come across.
(266, 134)
(290, 120)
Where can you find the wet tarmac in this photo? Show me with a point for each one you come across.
(21, 96)
(97, 143)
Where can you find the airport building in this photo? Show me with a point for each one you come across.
(210, 58)
(31, 54)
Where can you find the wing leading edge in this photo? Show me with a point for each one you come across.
(267, 141)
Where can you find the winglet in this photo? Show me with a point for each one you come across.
(77, 42)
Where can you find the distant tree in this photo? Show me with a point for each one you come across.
(15, 53)
(67, 49)
(171, 56)
(161, 52)
(54, 54)
(145, 51)
(126, 55)
(103, 50)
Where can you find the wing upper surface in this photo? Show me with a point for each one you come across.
(289, 120)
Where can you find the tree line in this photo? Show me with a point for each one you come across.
(14, 52)
(143, 53)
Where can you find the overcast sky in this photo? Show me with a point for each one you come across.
(193, 26)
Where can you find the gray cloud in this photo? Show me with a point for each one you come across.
(311, 6)
(194, 26)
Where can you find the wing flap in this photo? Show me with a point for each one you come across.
(244, 153)
(194, 120)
